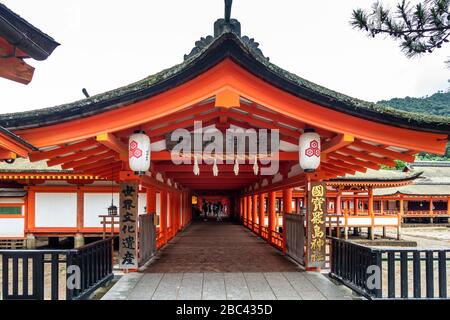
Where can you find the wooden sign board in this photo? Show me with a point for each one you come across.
(128, 247)
(316, 244)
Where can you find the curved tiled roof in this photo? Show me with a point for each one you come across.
(245, 52)
(434, 181)
(379, 175)
(20, 33)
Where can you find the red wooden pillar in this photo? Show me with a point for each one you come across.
(254, 211)
(371, 214)
(338, 209)
(163, 216)
(271, 213)
(169, 220)
(151, 200)
(287, 200)
(173, 212)
(448, 207)
(261, 213)
(249, 210)
(241, 211)
(183, 209)
(287, 209)
(244, 209)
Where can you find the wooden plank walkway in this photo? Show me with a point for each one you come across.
(223, 261)
(219, 247)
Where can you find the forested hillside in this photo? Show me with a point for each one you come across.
(438, 104)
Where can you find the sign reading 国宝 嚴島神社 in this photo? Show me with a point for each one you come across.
(316, 225)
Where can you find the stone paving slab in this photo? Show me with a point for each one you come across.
(228, 286)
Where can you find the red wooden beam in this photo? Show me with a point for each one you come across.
(112, 142)
(282, 156)
(338, 142)
(245, 125)
(264, 124)
(95, 165)
(62, 150)
(384, 152)
(368, 157)
(196, 110)
(182, 124)
(16, 69)
(80, 163)
(345, 165)
(353, 160)
(77, 156)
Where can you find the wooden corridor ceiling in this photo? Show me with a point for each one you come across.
(106, 155)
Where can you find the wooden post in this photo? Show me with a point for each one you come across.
(338, 211)
(80, 210)
(271, 213)
(254, 211)
(163, 216)
(151, 200)
(371, 214)
(245, 203)
(261, 213)
(338, 208)
(400, 219)
(448, 208)
(431, 210)
(240, 209)
(249, 211)
(287, 209)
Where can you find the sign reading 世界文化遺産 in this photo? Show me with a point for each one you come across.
(316, 225)
(128, 254)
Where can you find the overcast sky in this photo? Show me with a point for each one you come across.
(107, 44)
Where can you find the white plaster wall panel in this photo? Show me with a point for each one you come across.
(55, 210)
(386, 221)
(359, 221)
(96, 204)
(12, 228)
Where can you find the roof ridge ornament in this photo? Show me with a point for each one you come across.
(228, 6)
(226, 25)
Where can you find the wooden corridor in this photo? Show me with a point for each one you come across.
(223, 261)
(219, 247)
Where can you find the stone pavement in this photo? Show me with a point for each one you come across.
(227, 286)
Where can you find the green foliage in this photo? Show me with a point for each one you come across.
(399, 165)
(437, 104)
(420, 28)
(434, 157)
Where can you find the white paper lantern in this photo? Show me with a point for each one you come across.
(309, 150)
(139, 152)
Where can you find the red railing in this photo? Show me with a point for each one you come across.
(276, 237)
(265, 233)
(426, 213)
(277, 240)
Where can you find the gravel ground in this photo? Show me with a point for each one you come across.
(426, 237)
